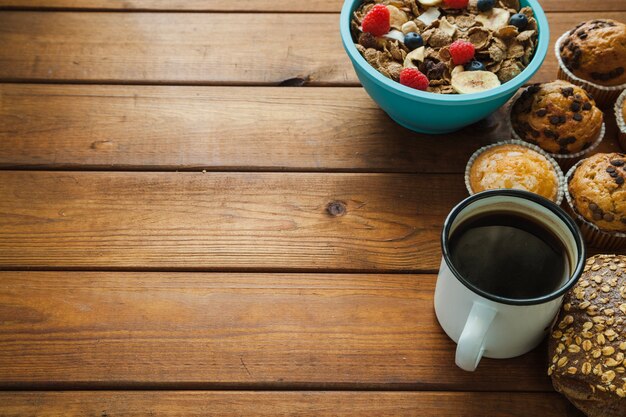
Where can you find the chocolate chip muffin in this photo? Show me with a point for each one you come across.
(593, 55)
(588, 342)
(514, 165)
(598, 191)
(596, 51)
(559, 117)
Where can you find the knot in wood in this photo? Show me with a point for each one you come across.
(336, 208)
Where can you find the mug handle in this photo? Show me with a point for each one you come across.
(470, 348)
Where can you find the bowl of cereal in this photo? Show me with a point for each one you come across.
(435, 66)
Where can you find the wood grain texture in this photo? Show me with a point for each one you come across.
(225, 128)
(146, 127)
(202, 331)
(258, 5)
(294, 404)
(219, 221)
(172, 48)
(184, 48)
(180, 5)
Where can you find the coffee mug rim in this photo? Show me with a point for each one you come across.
(558, 211)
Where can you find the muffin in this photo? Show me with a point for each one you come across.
(587, 346)
(593, 55)
(559, 117)
(620, 118)
(516, 165)
(596, 195)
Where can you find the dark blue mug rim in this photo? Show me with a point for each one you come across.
(558, 211)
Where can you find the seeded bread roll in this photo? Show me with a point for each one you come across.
(598, 191)
(588, 342)
(596, 51)
(559, 117)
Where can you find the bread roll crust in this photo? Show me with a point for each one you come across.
(588, 341)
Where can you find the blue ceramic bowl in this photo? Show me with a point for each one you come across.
(437, 113)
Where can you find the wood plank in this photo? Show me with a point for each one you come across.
(180, 5)
(225, 128)
(321, 404)
(217, 221)
(147, 127)
(183, 48)
(171, 48)
(259, 5)
(118, 330)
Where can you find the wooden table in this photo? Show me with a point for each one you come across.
(202, 213)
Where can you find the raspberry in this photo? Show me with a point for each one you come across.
(376, 21)
(461, 51)
(412, 77)
(456, 4)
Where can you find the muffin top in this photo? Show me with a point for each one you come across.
(596, 51)
(559, 117)
(598, 191)
(587, 346)
(514, 166)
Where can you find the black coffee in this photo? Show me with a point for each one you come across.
(509, 255)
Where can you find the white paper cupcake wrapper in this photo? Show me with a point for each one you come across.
(619, 116)
(555, 165)
(602, 94)
(593, 235)
(557, 156)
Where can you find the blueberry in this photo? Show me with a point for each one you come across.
(413, 40)
(475, 66)
(519, 21)
(485, 5)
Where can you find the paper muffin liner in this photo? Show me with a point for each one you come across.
(619, 118)
(555, 165)
(561, 157)
(603, 95)
(592, 234)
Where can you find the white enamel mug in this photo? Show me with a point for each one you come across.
(484, 324)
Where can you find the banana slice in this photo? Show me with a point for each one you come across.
(495, 19)
(415, 55)
(430, 3)
(468, 82)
